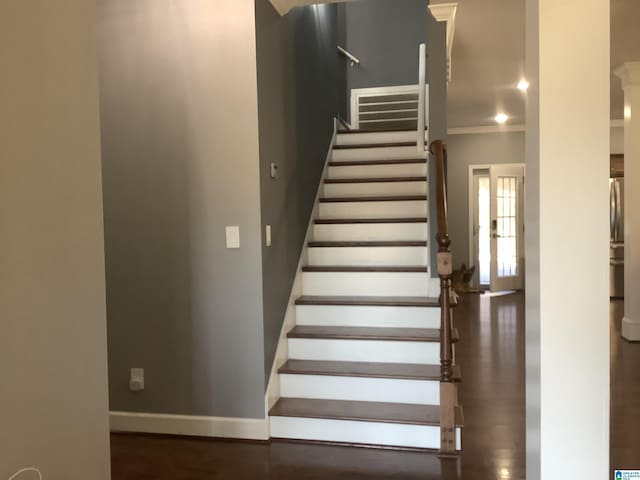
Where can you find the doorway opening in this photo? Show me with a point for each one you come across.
(496, 226)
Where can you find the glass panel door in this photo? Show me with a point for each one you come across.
(506, 227)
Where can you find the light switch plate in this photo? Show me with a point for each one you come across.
(267, 235)
(233, 237)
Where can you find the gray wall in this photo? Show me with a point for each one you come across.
(474, 149)
(437, 80)
(53, 359)
(385, 35)
(301, 88)
(180, 159)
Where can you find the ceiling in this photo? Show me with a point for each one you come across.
(488, 59)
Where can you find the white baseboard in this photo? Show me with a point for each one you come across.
(214, 427)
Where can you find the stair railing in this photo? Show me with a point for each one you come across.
(422, 105)
(448, 396)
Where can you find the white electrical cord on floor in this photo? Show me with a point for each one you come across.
(25, 470)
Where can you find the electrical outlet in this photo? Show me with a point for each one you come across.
(136, 379)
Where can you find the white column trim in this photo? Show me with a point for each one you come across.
(446, 12)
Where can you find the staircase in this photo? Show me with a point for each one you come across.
(364, 359)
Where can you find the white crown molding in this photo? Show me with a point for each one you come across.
(446, 12)
(485, 129)
(616, 123)
(214, 427)
(629, 73)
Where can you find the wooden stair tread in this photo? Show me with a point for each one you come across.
(356, 269)
(368, 333)
(377, 145)
(375, 198)
(375, 180)
(416, 243)
(361, 301)
(395, 161)
(382, 412)
(340, 221)
(407, 371)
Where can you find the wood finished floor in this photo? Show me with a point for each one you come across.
(491, 356)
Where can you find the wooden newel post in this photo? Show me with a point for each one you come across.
(448, 397)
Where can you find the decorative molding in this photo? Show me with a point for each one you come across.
(195, 426)
(446, 12)
(615, 123)
(486, 129)
(629, 73)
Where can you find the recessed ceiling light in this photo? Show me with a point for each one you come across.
(501, 118)
(523, 85)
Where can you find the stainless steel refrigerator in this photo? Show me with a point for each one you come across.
(616, 251)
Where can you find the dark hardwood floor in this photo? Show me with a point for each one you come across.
(491, 355)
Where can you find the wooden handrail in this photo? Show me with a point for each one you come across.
(445, 270)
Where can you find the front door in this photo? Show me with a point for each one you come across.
(507, 226)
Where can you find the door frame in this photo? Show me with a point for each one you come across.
(472, 212)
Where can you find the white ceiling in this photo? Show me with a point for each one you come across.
(489, 54)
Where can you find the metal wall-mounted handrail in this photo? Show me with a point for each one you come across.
(352, 58)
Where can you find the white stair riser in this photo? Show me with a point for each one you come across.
(385, 351)
(371, 232)
(369, 256)
(368, 171)
(375, 188)
(372, 433)
(400, 284)
(368, 316)
(420, 392)
(371, 138)
(398, 209)
(377, 153)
